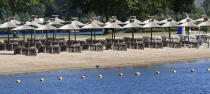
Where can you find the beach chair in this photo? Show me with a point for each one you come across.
(92, 47)
(32, 51)
(2, 46)
(21, 42)
(49, 49)
(177, 44)
(127, 41)
(71, 48)
(55, 42)
(84, 45)
(121, 40)
(108, 43)
(9, 47)
(55, 49)
(147, 41)
(96, 41)
(64, 48)
(115, 46)
(99, 47)
(140, 45)
(49, 43)
(115, 40)
(134, 45)
(14, 41)
(154, 43)
(42, 49)
(27, 44)
(38, 45)
(69, 42)
(25, 51)
(195, 44)
(123, 46)
(76, 42)
(18, 50)
(77, 48)
(15, 45)
(165, 40)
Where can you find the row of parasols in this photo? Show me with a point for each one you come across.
(54, 24)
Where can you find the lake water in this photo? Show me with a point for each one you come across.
(183, 82)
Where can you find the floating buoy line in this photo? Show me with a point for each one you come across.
(100, 76)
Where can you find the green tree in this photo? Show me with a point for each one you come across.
(181, 6)
(205, 6)
(14, 5)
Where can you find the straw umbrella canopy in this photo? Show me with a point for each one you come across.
(8, 25)
(132, 25)
(70, 27)
(189, 23)
(24, 28)
(96, 21)
(33, 23)
(46, 28)
(77, 23)
(135, 20)
(53, 22)
(167, 20)
(56, 19)
(170, 23)
(92, 26)
(205, 23)
(36, 19)
(154, 20)
(186, 19)
(152, 24)
(117, 21)
(202, 19)
(113, 25)
(14, 21)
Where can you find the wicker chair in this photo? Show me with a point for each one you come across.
(99, 47)
(77, 48)
(2, 46)
(140, 45)
(115, 46)
(92, 47)
(18, 50)
(56, 49)
(123, 46)
(71, 48)
(32, 51)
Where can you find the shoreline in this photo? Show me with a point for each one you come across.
(17, 64)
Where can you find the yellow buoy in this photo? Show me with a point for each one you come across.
(100, 76)
(60, 78)
(174, 71)
(42, 79)
(208, 69)
(18, 81)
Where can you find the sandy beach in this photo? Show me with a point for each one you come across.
(13, 64)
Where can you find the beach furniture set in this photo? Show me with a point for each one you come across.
(55, 46)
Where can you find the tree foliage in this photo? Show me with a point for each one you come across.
(101, 8)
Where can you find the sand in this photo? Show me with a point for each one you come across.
(13, 64)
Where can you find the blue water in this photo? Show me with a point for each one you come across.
(59, 33)
(183, 82)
